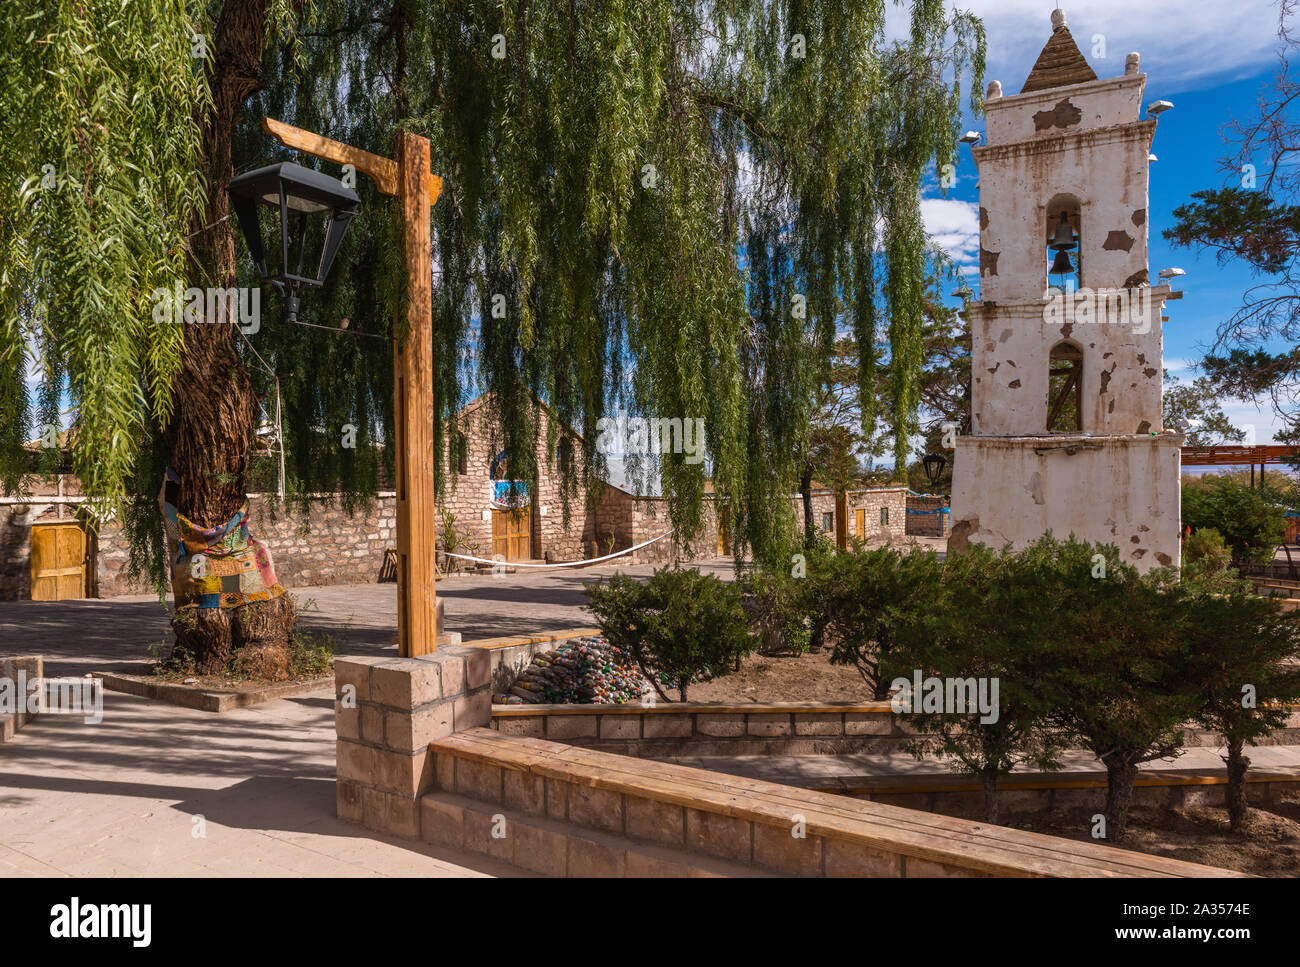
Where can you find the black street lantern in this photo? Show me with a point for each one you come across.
(298, 193)
(934, 464)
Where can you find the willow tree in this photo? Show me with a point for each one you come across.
(116, 119)
(664, 207)
(668, 207)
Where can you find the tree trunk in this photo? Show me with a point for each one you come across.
(818, 638)
(1121, 773)
(805, 490)
(216, 404)
(1234, 794)
(991, 797)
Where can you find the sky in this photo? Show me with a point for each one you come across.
(1210, 59)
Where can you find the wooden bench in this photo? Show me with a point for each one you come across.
(749, 821)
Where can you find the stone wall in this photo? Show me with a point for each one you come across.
(926, 517)
(321, 546)
(15, 553)
(650, 519)
(386, 712)
(15, 708)
(884, 512)
(668, 730)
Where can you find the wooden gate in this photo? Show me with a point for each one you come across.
(511, 534)
(58, 561)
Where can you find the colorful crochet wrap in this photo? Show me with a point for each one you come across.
(218, 567)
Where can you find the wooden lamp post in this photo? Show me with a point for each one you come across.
(407, 177)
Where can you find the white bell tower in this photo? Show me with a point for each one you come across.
(1066, 373)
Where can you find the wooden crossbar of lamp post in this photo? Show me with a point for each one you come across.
(408, 178)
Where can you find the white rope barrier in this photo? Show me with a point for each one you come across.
(594, 560)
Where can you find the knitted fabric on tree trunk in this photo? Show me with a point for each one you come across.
(216, 567)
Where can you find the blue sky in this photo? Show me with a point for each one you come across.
(1211, 60)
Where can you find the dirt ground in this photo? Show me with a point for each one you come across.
(803, 678)
(1269, 845)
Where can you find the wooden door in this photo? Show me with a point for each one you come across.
(723, 538)
(511, 534)
(861, 522)
(58, 561)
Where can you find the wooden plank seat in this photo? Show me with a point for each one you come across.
(911, 839)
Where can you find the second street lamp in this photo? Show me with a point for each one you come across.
(297, 193)
(934, 464)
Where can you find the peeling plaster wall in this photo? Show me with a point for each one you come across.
(1093, 148)
(1123, 492)
(1011, 346)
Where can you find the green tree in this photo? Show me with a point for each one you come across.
(1245, 650)
(649, 186)
(1253, 217)
(944, 389)
(101, 147)
(1252, 522)
(1198, 407)
(984, 630)
(1117, 672)
(868, 600)
(680, 627)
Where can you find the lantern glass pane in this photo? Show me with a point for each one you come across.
(296, 204)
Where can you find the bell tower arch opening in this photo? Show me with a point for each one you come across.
(1064, 243)
(1065, 388)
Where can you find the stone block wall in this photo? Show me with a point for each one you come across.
(15, 553)
(14, 713)
(926, 517)
(322, 546)
(889, 527)
(386, 712)
(468, 496)
(650, 519)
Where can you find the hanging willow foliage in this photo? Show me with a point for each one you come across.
(98, 151)
(664, 206)
(677, 204)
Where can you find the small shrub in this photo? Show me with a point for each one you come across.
(1206, 549)
(1244, 649)
(681, 626)
(984, 635)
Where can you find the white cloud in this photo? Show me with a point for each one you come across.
(1259, 422)
(954, 226)
(1185, 44)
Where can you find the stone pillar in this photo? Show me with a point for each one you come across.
(19, 677)
(386, 712)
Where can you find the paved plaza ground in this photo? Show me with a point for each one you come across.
(116, 634)
(120, 798)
